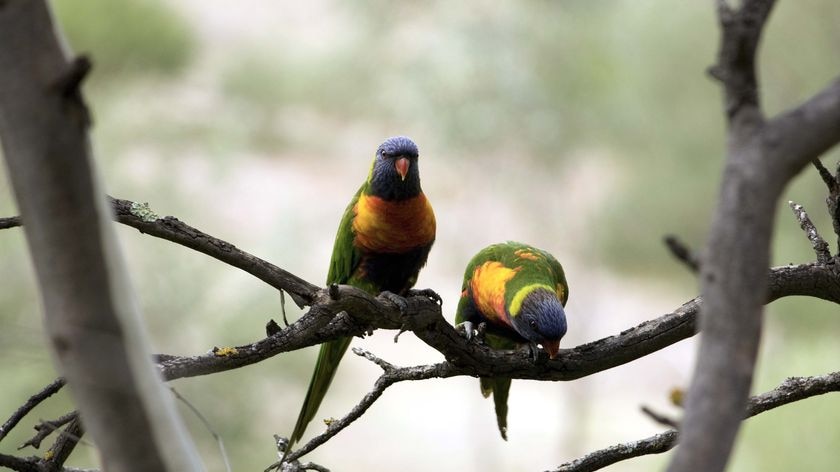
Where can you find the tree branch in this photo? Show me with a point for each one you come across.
(30, 404)
(94, 331)
(390, 376)
(45, 428)
(817, 242)
(10, 222)
(170, 228)
(762, 156)
(833, 198)
(791, 390)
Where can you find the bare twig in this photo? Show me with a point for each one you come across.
(30, 404)
(45, 428)
(660, 418)
(64, 445)
(10, 222)
(682, 252)
(825, 174)
(172, 229)
(390, 376)
(817, 242)
(207, 426)
(140, 217)
(833, 198)
(791, 390)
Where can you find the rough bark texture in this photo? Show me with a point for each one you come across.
(89, 314)
(762, 157)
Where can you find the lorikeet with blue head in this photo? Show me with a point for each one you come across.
(518, 292)
(382, 243)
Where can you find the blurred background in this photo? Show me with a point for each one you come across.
(588, 129)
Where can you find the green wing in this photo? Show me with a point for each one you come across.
(345, 260)
(345, 257)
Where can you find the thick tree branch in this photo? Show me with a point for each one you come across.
(762, 156)
(358, 312)
(343, 310)
(89, 315)
(791, 390)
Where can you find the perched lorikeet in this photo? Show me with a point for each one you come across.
(518, 291)
(383, 240)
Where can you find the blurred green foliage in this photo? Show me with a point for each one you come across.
(127, 38)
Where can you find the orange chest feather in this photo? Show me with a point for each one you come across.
(488, 290)
(393, 226)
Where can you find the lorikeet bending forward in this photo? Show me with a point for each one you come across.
(383, 240)
(519, 292)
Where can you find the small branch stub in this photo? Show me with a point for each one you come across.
(817, 242)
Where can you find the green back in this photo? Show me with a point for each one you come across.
(545, 270)
(536, 267)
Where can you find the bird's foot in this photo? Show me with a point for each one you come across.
(426, 292)
(396, 300)
(481, 331)
(465, 329)
(534, 352)
(471, 332)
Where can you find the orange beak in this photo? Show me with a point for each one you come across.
(552, 347)
(402, 167)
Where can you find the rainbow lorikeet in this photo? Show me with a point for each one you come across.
(382, 243)
(518, 292)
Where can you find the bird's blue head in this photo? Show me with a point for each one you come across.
(542, 320)
(395, 174)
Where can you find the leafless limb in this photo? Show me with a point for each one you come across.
(832, 182)
(683, 253)
(391, 375)
(30, 404)
(791, 390)
(817, 242)
(762, 156)
(45, 428)
(172, 229)
(339, 311)
(207, 426)
(10, 222)
(659, 417)
(825, 174)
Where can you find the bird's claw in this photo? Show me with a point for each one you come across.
(396, 300)
(534, 352)
(428, 293)
(465, 329)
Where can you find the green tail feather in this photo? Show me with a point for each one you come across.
(325, 368)
(500, 388)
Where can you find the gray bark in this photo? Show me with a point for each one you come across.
(762, 157)
(92, 321)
